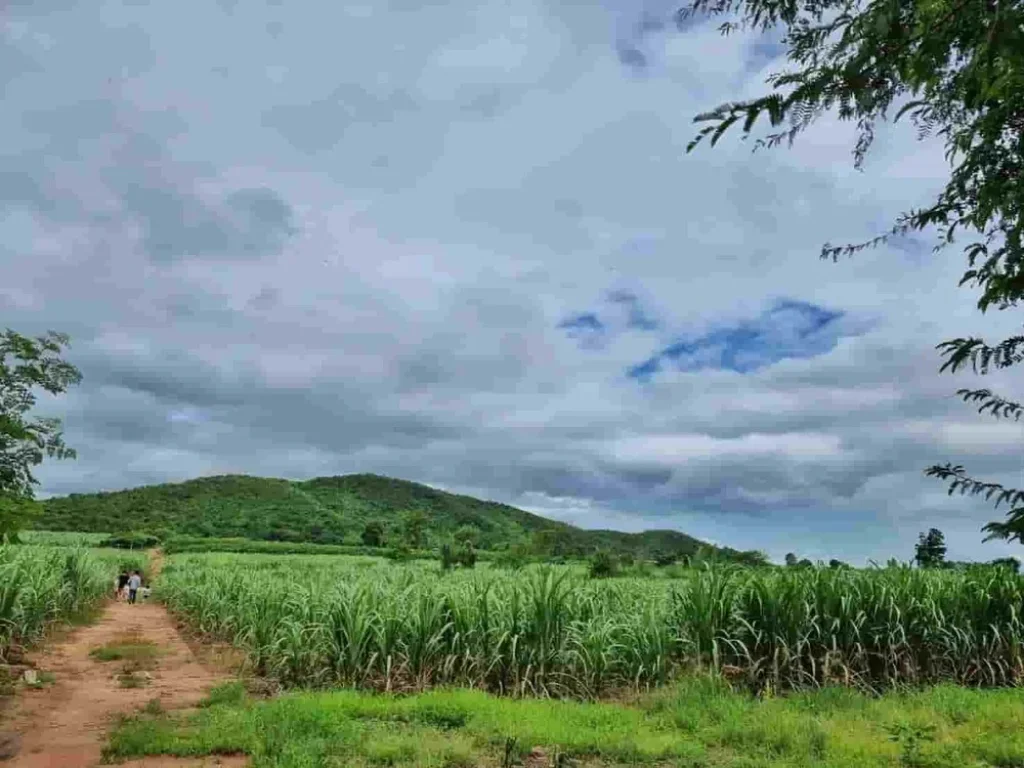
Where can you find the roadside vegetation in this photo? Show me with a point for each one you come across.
(697, 722)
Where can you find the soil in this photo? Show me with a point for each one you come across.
(65, 724)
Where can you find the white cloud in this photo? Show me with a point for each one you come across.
(672, 450)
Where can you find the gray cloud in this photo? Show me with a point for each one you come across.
(346, 243)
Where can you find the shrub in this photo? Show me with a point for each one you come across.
(603, 565)
(373, 534)
(134, 540)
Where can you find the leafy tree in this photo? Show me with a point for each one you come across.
(1007, 562)
(665, 559)
(400, 552)
(26, 364)
(447, 557)
(956, 67)
(603, 565)
(549, 542)
(751, 557)
(466, 556)
(457, 554)
(373, 534)
(16, 513)
(467, 536)
(513, 557)
(131, 540)
(930, 551)
(837, 564)
(413, 523)
(791, 560)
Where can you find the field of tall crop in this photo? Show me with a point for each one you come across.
(320, 621)
(40, 585)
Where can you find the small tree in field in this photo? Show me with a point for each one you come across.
(467, 536)
(457, 554)
(665, 559)
(447, 557)
(373, 534)
(603, 565)
(930, 551)
(1007, 562)
(413, 523)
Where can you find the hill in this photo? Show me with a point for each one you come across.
(332, 510)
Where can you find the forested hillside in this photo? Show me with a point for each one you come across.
(333, 510)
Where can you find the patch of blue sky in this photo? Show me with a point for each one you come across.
(639, 318)
(586, 328)
(789, 329)
(762, 51)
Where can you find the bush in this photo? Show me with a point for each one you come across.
(665, 559)
(373, 534)
(400, 552)
(603, 565)
(134, 540)
(467, 557)
(447, 557)
(512, 558)
(451, 556)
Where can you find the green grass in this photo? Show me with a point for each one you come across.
(130, 648)
(181, 544)
(61, 538)
(697, 723)
(132, 678)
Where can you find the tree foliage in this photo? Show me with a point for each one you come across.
(603, 565)
(16, 514)
(956, 68)
(930, 550)
(26, 365)
(414, 522)
(333, 511)
(373, 533)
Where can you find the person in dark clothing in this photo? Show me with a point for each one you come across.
(122, 582)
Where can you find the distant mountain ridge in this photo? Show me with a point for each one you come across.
(332, 510)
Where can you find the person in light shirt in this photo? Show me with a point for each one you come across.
(133, 586)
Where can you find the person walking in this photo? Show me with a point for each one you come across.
(134, 582)
(122, 583)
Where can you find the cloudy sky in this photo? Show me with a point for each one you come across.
(466, 247)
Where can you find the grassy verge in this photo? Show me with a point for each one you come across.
(699, 723)
(128, 647)
(137, 656)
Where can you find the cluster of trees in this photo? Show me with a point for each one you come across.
(793, 562)
(930, 552)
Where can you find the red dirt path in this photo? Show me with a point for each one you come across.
(65, 725)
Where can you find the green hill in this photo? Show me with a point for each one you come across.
(331, 510)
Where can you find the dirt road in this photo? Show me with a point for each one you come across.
(64, 725)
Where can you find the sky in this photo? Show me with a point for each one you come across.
(465, 246)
